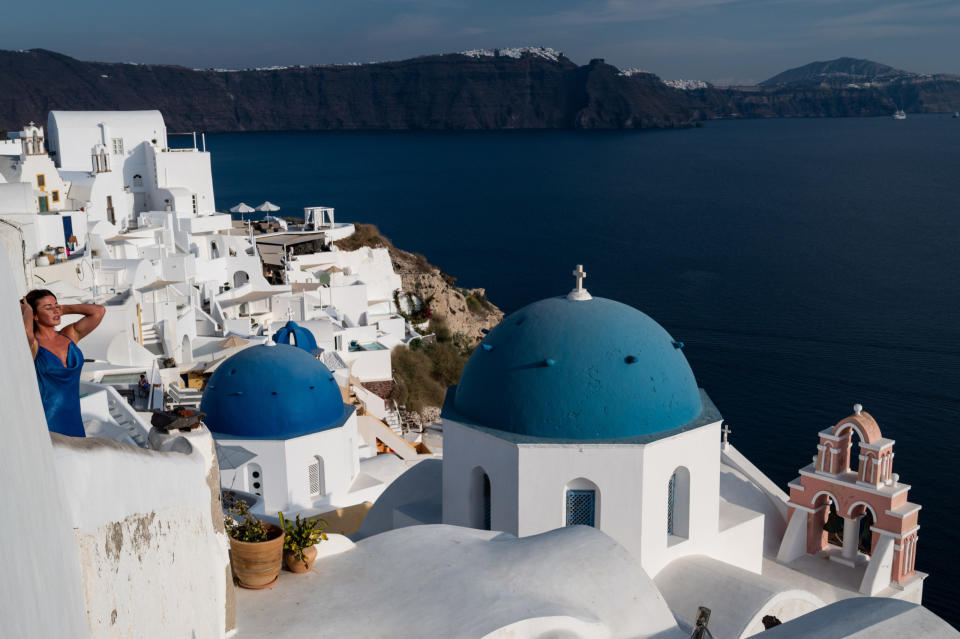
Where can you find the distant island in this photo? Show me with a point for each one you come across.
(522, 88)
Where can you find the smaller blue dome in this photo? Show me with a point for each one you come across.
(302, 337)
(272, 392)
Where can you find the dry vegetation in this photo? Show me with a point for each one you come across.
(424, 371)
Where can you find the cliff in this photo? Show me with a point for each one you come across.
(525, 90)
(479, 90)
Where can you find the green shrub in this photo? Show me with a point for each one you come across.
(422, 375)
(301, 534)
(438, 326)
(416, 388)
(247, 528)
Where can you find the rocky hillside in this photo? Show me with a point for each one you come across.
(466, 311)
(525, 89)
(839, 72)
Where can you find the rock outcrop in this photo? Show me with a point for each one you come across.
(466, 311)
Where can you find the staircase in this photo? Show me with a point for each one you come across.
(394, 421)
(127, 421)
(181, 396)
(151, 339)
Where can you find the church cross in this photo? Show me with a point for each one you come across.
(580, 274)
(726, 435)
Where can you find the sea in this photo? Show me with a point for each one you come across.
(806, 264)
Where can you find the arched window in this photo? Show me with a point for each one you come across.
(678, 504)
(581, 503)
(240, 278)
(138, 180)
(315, 477)
(481, 513)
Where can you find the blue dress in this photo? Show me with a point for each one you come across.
(60, 390)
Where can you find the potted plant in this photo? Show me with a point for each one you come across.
(300, 537)
(256, 548)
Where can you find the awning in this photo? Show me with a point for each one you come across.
(253, 296)
(156, 285)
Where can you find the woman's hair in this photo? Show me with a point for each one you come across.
(36, 295)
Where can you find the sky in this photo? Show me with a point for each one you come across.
(722, 41)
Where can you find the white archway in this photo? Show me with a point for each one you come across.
(481, 499)
(678, 503)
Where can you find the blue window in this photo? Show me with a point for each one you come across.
(581, 507)
(671, 501)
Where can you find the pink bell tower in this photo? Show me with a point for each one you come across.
(869, 485)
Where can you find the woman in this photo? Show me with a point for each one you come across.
(56, 356)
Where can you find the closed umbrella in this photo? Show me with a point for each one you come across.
(233, 456)
(242, 208)
(268, 207)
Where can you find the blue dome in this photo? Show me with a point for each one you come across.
(302, 337)
(272, 392)
(582, 370)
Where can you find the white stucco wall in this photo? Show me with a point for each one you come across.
(153, 558)
(529, 484)
(283, 464)
(41, 593)
(464, 450)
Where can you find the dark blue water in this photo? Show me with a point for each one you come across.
(806, 264)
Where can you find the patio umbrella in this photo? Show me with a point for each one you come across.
(233, 456)
(242, 208)
(268, 207)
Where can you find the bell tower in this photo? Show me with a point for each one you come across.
(870, 487)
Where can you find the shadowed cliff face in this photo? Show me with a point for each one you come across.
(448, 92)
(433, 92)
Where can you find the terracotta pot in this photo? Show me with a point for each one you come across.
(300, 565)
(257, 564)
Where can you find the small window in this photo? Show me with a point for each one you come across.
(41, 181)
(313, 471)
(671, 503)
(315, 477)
(196, 209)
(581, 507)
(138, 180)
(117, 146)
(55, 196)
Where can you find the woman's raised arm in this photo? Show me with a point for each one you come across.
(27, 313)
(92, 315)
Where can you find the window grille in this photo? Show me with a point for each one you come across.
(138, 180)
(671, 499)
(314, 472)
(117, 146)
(581, 507)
